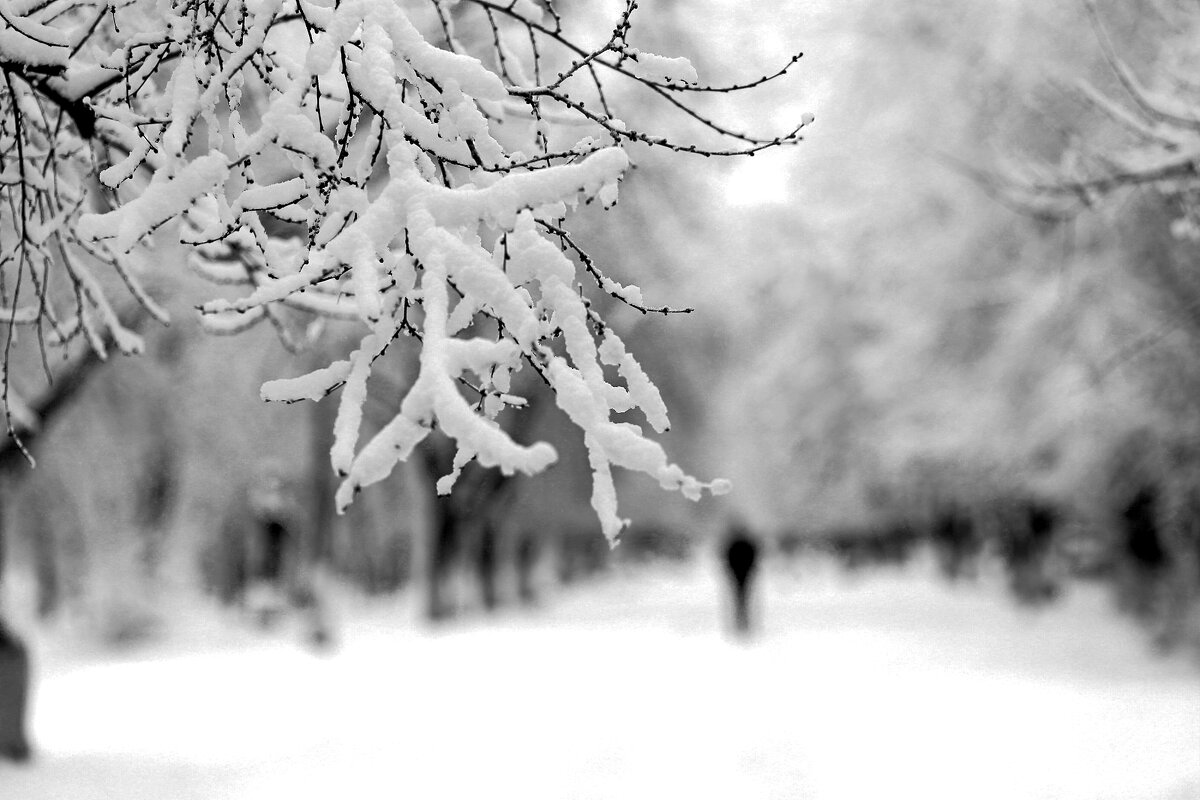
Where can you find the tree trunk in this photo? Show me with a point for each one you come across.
(440, 557)
(15, 669)
(14, 682)
(315, 547)
(319, 532)
(486, 566)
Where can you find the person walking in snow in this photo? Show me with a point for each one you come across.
(741, 555)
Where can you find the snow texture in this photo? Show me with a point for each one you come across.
(882, 687)
(26, 41)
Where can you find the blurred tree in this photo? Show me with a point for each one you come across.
(928, 348)
(1133, 165)
(1151, 136)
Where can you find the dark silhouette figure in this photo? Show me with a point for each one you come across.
(741, 554)
(1143, 542)
(272, 568)
(258, 545)
(956, 543)
(264, 556)
(1146, 560)
(276, 543)
(14, 691)
(1028, 538)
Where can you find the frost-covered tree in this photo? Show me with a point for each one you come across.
(919, 335)
(408, 166)
(1144, 129)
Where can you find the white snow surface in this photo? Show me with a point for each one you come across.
(887, 686)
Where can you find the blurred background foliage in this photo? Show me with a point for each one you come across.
(882, 352)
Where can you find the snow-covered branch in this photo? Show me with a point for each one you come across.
(1159, 145)
(411, 168)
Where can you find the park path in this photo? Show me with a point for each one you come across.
(885, 685)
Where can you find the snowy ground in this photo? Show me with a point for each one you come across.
(881, 687)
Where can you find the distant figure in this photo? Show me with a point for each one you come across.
(272, 549)
(741, 553)
(258, 561)
(1028, 538)
(956, 543)
(527, 558)
(1143, 543)
(14, 691)
(1145, 559)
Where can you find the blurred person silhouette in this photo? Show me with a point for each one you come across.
(263, 557)
(272, 546)
(281, 572)
(1145, 558)
(957, 543)
(741, 556)
(14, 689)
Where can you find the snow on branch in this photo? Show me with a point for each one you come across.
(408, 166)
(1160, 148)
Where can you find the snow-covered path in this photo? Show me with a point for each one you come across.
(884, 687)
